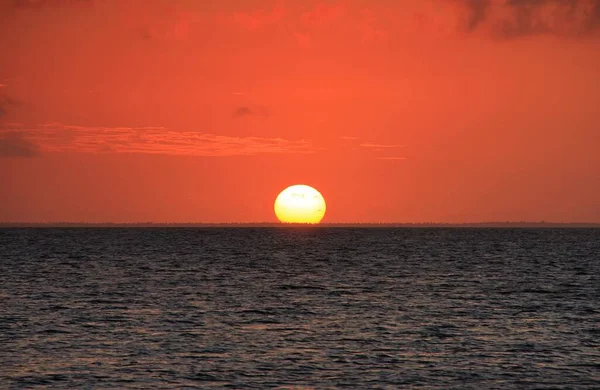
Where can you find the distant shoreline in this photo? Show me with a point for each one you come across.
(280, 225)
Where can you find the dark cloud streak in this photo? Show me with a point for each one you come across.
(519, 18)
(478, 10)
(13, 144)
(46, 3)
(60, 138)
(5, 103)
(244, 111)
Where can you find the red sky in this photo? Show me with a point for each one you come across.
(396, 110)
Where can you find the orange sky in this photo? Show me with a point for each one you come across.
(396, 110)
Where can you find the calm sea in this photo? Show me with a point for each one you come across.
(300, 308)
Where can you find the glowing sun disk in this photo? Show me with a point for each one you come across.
(300, 204)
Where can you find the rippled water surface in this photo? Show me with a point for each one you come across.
(300, 308)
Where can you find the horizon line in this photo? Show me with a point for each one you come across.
(324, 224)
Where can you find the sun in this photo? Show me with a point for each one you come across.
(300, 204)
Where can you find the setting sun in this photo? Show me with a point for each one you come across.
(300, 204)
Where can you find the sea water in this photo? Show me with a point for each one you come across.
(300, 308)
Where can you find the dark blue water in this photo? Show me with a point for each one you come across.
(300, 308)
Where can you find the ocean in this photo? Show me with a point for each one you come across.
(300, 307)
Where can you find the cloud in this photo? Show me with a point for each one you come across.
(254, 19)
(161, 23)
(313, 23)
(241, 112)
(370, 22)
(380, 146)
(392, 158)
(46, 3)
(383, 147)
(13, 144)
(477, 12)
(324, 14)
(308, 22)
(507, 19)
(5, 103)
(60, 138)
(244, 111)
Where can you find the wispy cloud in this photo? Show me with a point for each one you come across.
(380, 146)
(13, 144)
(46, 3)
(392, 158)
(518, 18)
(58, 138)
(241, 112)
(349, 138)
(245, 111)
(361, 21)
(377, 20)
(5, 103)
(254, 19)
